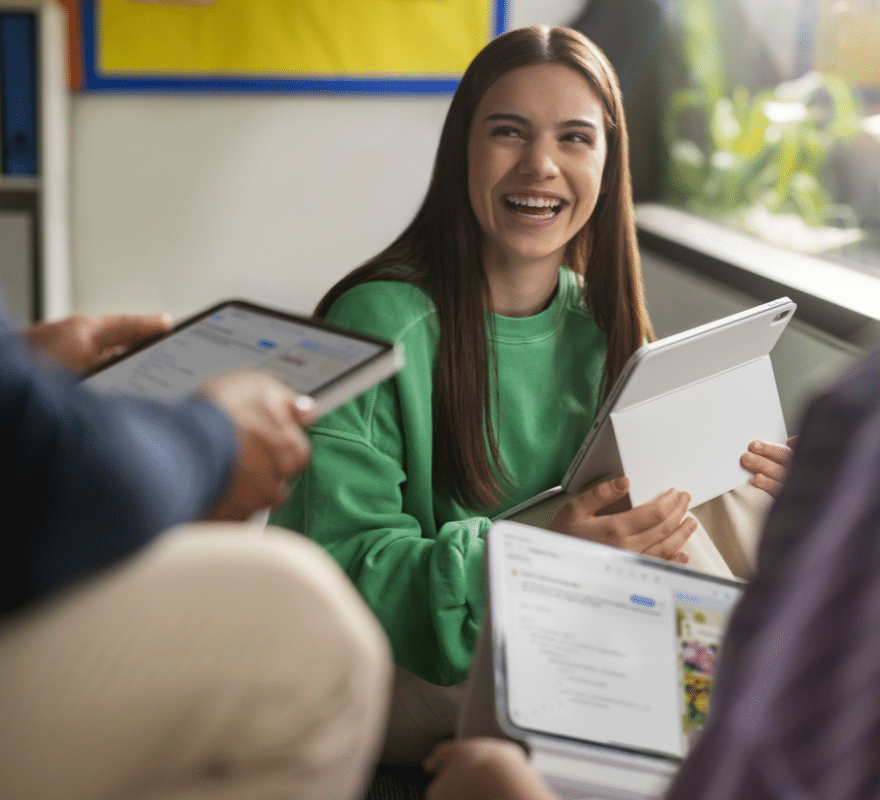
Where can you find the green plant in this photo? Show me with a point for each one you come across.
(730, 150)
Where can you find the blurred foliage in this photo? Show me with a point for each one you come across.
(731, 150)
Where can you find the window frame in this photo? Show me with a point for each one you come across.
(839, 300)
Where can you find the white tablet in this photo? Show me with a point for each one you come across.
(600, 660)
(681, 414)
(329, 363)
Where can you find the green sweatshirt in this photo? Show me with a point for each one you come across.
(367, 496)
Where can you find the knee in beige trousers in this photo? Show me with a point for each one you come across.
(422, 715)
(214, 664)
(729, 532)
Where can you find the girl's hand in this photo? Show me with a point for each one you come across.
(769, 463)
(483, 769)
(659, 528)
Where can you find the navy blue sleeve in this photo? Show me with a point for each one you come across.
(87, 480)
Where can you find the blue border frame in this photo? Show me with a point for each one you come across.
(314, 85)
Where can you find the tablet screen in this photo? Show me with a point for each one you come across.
(601, 646)
(304, 354)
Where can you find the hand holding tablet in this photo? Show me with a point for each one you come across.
(681, 414)
(659, 528)
(262, 368)
(84, 341)
(272, 445)
(313, 358)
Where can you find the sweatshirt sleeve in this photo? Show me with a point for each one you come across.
(367, 498)
(88, 480)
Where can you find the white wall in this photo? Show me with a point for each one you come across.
(178, 201)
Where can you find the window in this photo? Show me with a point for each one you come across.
(770, 120)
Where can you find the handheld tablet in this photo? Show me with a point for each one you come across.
(328, 363)
(600, 660)
(698, 398)
(681, 414)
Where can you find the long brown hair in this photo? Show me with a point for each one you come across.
(440, 251)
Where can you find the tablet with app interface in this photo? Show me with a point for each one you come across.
(600, 660)
(329, 363)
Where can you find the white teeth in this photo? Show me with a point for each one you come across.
(535, 202)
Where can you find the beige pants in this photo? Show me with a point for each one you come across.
(214, 664)
(422, 715)
(725, 543)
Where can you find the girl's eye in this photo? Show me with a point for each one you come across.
(578, 138)
(506, 132)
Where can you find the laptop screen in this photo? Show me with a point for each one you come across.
(600, 645)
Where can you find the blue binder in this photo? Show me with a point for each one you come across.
(18, 93)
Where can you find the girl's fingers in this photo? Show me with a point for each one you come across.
(768, 484)
(765, 466)
(777, 453)
(671, 545)
(657, 520)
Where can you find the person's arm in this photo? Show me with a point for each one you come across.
(796, 668)
(88, 480)
(272, 445)
(368, 498)
(483, 769)
(423, 579)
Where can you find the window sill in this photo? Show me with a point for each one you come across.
(838, 299)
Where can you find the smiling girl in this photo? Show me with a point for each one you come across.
(516, 293)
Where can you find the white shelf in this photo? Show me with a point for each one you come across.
(10, 184)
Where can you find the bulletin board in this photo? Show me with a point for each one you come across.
(326, 46)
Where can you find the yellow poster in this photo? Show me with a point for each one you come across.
(271, 39)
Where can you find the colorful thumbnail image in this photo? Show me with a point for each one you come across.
(699, 632)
